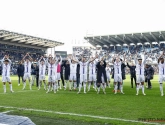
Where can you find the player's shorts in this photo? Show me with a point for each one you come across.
(52, 79)
(83, 78)
(140, 78)
(108, 77)
(92, 77)
(6, 79)
(73, 77)
(161, 78)
(42, 77)
(27, 76)
(117, 78)
(58, 76)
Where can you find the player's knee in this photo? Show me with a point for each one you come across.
(98, 85)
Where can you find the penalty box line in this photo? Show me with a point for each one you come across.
(80, 115)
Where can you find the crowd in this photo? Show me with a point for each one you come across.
(152, 52)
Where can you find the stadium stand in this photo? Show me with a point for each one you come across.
(150, 42)
(16, 45)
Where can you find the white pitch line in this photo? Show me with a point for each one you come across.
(81, 115)
(6, 112)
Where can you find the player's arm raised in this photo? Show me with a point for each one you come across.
(75, 59)
(23, 59)
(135, 58)
(49, 58)
(40, 60)
(60, 59)
(9, 60)
(30, 58)
(113, 59)
(145, 57)
(93, 58)
(160, 56)
(69, 59)
(3, 59)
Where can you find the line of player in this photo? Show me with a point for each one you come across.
(103, 72)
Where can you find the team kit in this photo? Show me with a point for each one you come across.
(100, 79)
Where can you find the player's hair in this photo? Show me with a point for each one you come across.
(6, 60)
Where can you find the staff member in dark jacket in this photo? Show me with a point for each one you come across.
(101, 75)
(20, 72)
(78, 75)
(66, 65)
(132, 73)
(122, 73)
(61, 74)
(149, 75)
(35, 73)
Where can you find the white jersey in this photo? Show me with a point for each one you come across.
(108, 70)
(51, 69)
(5, 70)
(83, 67)
(27, 67)
(117, 67)
(42, 69)
(73, 67)
(161, 68)
(92, 67)
(140, 67)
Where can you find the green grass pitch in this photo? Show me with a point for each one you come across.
(124, 107)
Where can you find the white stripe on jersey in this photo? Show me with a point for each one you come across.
(73, 68)
(117, 67)
(42, 69)
(92, 67)
(161, 68)
(51, 69)
(140, 69)
(27, 67)
(83, 67)
(5, 70)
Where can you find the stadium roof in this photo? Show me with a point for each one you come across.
(18, 39)
(135, 38)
